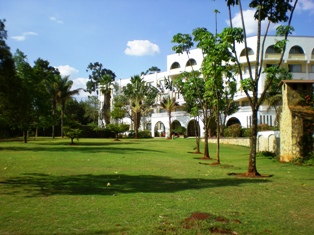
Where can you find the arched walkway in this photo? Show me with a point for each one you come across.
(175, 124)
(193, 128)
(233, 121)
(159, 130)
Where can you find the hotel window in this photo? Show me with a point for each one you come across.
(296, 50)
(272, 50)
(295, 68)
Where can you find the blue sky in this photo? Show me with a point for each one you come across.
(126, 36)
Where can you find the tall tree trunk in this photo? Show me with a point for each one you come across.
(25, 136)
(170, 126)
(53, 119)
(135, 125)
(252, 171)
(62, 120)
(206, 149)
(106, 107)
(197, 138)
(218, 138)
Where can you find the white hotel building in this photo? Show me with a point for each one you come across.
(298, 59)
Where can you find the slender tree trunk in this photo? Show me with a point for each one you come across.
(197, 138)
(218, 139)
(25, 136)
(135, 125)
(106, 107)
(62, 120)
(206, 149)
(170, 126)
(252, 171)
(53, 124)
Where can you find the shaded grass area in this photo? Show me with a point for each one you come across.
(152, 186)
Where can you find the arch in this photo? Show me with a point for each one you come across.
(175, 124)
(233, 121)
(272, 50)
(159, 129)
(190, 62)
(249, 51)
(296, 50)
(193, 128)
(175, 65)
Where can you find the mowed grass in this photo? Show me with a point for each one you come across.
(151, 186)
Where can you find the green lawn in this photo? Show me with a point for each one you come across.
(151, 186)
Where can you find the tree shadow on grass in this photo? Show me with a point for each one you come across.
(37, 185)
(113, 147)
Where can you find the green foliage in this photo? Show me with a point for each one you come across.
(232, 131)
(72, 133)
(141, 134)
(246, 132)
(117, 128)
(181, 130)
(237, 131)
(267, 154)
(184, 43)
(141, 97)
(144, 134)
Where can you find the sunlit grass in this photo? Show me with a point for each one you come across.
(149, 186)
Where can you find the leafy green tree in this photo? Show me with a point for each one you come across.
(72, 133)
(193, 88)
(91, 109)
(103, 79)
(216, 71)
(64, 94)
(151, 70)
(9, 83)
(275, 12)
(117, 128)
(29, 105)
(50, 75)
(169, 104)
(141, 97)
(76, 111)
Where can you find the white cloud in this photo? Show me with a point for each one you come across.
(141, 48)
(55, 19)
(24, 36)
(306, 5)
(67, 70)
(250, 23)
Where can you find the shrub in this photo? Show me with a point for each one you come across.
(246, 132)
(72, 133)
(181, 130)
(233, 131)
(144, 134)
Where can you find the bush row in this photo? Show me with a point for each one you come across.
(237, 131)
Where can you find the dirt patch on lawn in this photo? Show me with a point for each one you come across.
(194, 219)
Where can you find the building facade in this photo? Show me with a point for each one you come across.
(298, 59)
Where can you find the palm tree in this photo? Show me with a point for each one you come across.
(65, 93)
(103, 79)
(141, 97)
(169, 104)
(135, 91)
(52, 89)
